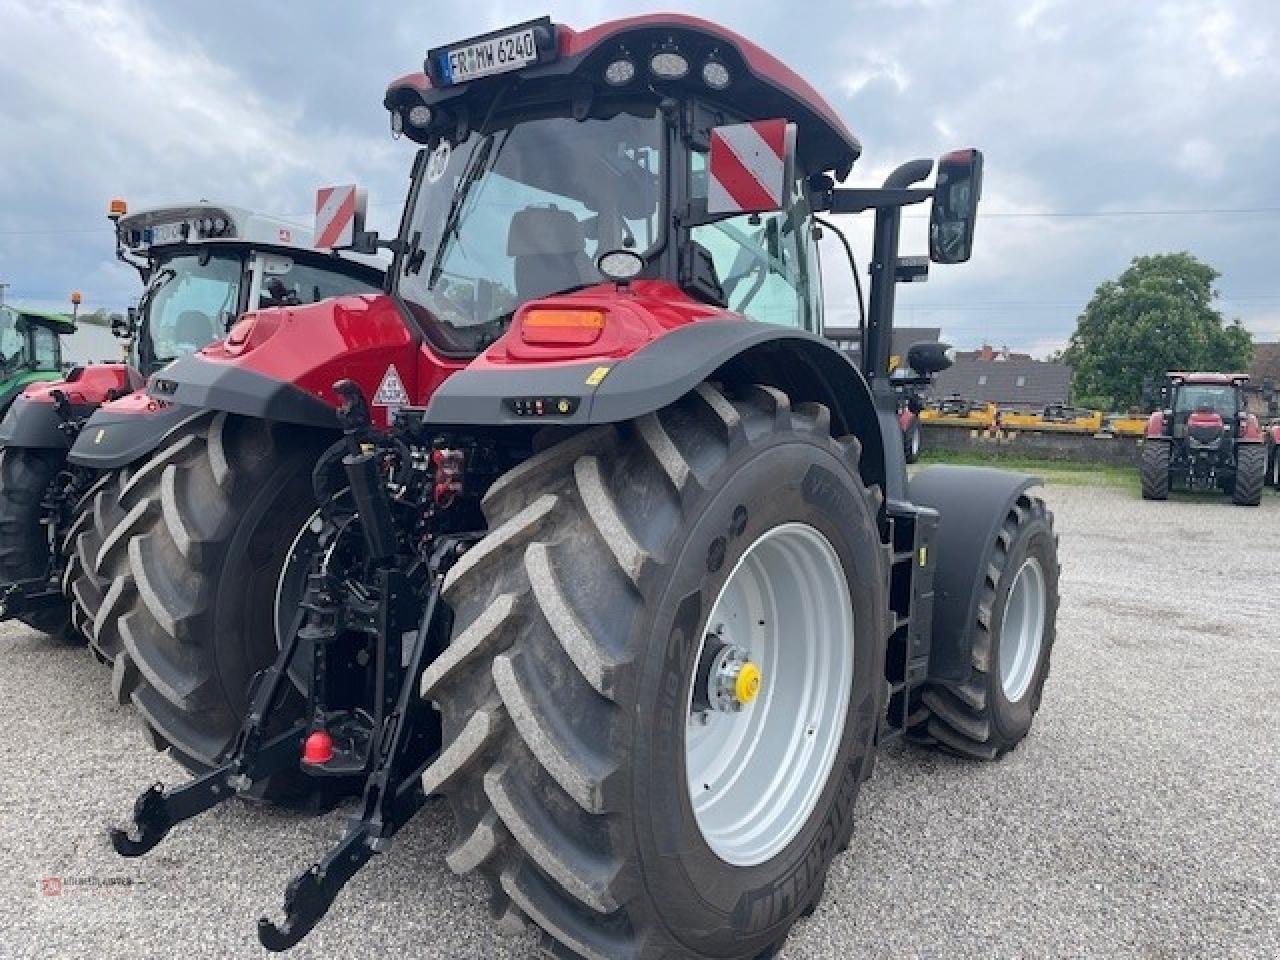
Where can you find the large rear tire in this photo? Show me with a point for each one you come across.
(580, 634)
(1251, 475)
(194, 562)
(990, 711)
(26, 476)
(1156, 457)
(1275, 465)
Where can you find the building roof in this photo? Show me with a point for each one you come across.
(1266, 364)
(846, 338)
(1016, 381)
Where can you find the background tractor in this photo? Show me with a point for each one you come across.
(1204, 438)
(30, 349)
(582, 525)
(202, 265)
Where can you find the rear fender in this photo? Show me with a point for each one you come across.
(127, 430)
(1155, 425)
(35, 424)
(972, 503)
(805, 366)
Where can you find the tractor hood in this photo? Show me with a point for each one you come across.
(281, 363)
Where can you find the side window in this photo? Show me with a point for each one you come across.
(761, 260)
(47, 356)
(301, 284)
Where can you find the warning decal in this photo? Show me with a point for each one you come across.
(391, 392)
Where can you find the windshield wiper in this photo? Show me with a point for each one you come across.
(470, 173)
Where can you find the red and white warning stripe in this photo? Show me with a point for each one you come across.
(749, 169)
(335, 216)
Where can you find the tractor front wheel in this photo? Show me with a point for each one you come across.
(1251, 474)
(990, 712)
(665, 677)
(912, 441)
(1156, 458)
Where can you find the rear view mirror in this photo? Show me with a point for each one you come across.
(928, 359)
(751, 167)
(123, 327)
(955, 206)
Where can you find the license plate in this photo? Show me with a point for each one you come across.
(484, 58)
(166, 233)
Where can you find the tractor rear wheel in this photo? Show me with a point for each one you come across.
(194, 562)
(26, 476)
(990, 711)
(1156, 457)
(1275, 466)
(665, 677)
(1251, 474)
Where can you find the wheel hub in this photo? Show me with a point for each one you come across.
(769, 695)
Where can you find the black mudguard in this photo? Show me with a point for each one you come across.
(972, 503)
(806, 366)
(35, 424)
(111, 440)
(196, 383)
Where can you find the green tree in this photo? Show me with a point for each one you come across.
(1156, 316)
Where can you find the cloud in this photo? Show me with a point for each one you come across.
(1082, 106)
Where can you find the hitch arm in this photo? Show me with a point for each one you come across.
(158, 810)
(393, 791)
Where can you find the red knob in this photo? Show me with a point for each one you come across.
(318, 748)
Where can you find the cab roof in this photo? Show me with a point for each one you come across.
(1221, 379)
(58, 322)
(762, 86)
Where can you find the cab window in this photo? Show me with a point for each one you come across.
(46, 353)
(289, 284)
(761, 260)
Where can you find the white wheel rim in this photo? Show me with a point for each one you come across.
(1022, 629)
(756, 775)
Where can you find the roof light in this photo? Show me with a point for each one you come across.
(116, 209)
(669, 63)
(620, 72)
(220, 225)
(715, 74)
(420, 116)
(397, 123)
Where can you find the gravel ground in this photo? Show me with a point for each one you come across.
(1139, 819)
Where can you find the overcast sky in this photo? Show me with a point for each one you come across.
(1081, 107)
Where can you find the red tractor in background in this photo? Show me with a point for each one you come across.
(1204, 439)
(582, 525)
(201, 265)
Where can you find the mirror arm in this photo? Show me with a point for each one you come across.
(859, 199)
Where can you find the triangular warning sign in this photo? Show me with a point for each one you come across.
(391, 392)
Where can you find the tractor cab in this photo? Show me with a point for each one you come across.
(660, 153)
(204, 264)
(30, 348)
(1206, 408)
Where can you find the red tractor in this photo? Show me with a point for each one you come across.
(201, 265)
(582, 525)
(1204, 439)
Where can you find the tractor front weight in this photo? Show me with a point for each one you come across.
(365, 633)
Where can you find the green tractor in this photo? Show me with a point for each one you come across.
(30, 349)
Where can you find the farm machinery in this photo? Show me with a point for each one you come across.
(30, 349)
(201, 265)
(581, 525)
(1204, 438)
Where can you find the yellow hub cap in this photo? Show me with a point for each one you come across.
(747, 687)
